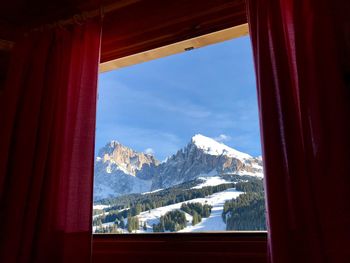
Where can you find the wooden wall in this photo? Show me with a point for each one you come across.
(150, 24)
(181, 248)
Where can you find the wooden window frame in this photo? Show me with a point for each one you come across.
(215, 247)
(242, 247)
(175, 48)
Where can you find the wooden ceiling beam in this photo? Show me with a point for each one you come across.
(135, 26)
(182, 46)
(152, 24)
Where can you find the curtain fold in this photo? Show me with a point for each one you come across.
(303, 96)
(47, 146)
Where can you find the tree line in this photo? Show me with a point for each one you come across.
(152, 201)
(172, 221)
(197, 211)
(247, 211)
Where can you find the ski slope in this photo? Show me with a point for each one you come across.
(212, 223)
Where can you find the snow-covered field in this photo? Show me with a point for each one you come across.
(212, 223)
(210, 181)
(256, 174)
(154, 191)
(100, 206)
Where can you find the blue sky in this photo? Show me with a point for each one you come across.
(157, 106)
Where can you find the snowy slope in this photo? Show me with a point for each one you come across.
(212, 147)
(213, 223)
(100, 206)
(117, 183)
(256, 174)
(210, 181)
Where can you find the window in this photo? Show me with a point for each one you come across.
(178, 145)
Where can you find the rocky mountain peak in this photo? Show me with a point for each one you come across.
(121, 170)
(212, 147)
(127, 160)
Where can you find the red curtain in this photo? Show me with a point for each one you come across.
(304, 98)
(47, 146)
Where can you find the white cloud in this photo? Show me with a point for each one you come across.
(222, 138)
(149, 151)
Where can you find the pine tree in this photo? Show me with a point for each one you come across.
(138, 209)
(206, 211)
(121, 223)
(130, 224)
(195, 219)
(133, 224)
(136, 223)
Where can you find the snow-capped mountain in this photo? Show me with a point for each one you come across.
(205, 157)
(120, 170)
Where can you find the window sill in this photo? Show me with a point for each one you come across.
(215, 247)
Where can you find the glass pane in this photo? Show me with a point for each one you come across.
(178, 144)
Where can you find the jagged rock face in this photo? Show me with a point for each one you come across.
(110, 181)
(130, 161)
(192, 162)
(120, 170)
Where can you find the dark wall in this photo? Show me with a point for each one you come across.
(4, 64)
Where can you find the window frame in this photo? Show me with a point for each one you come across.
(228, 246)
(181, 247)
